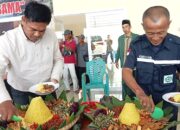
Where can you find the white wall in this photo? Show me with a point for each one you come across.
(135, 9)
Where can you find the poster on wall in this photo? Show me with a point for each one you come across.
(11, 12)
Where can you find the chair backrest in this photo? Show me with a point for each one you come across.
(96, 69)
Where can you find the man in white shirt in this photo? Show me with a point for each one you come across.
(31, 55)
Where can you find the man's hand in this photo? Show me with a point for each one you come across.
(146, 102)
(7, 110)
(54, 81)
(129, 79)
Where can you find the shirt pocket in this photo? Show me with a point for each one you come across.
(144, 73)
(167, 75)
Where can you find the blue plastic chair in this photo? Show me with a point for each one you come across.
(95, 70)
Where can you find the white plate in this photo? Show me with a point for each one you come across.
(33, 89)
(171, 94)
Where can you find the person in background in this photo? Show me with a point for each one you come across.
(156, 57)
(109, 50)
(68, 49)
(74, 37)
(82, 57)
(123, 45)
(30, 54)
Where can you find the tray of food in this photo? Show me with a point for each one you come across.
(113, 114)
(58, 114)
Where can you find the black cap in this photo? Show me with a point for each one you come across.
(67, 32)
(126, 21)
(81, 36)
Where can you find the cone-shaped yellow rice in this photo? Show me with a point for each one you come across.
(129, 114)
(38, 112)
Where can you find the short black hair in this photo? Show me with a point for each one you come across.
(156, 12)
(37, 12)
(126, 21)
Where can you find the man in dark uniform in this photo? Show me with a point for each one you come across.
(156, 57)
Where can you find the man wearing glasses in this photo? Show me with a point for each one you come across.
(31, 55)
(156, 57)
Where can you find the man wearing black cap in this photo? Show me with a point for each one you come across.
(68, 48)
(82, 57)
(123, 45)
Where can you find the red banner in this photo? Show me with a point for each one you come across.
(12, 10)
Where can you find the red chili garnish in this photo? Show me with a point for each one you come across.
(56, 116)
(89, 106)
(54, 122)
(34, 126)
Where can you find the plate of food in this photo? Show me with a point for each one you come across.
(44, 88)
(173, 98)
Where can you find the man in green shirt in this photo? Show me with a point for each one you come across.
(123, 45)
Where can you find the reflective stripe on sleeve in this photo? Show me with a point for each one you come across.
(166, 62)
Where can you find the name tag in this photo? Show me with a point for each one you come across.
(168, 79)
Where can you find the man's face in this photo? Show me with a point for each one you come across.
(156, 30)
(80, 40)
(126, 28)
(67, 37)
(33, 30)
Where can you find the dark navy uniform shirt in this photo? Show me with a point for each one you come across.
(155, 66)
